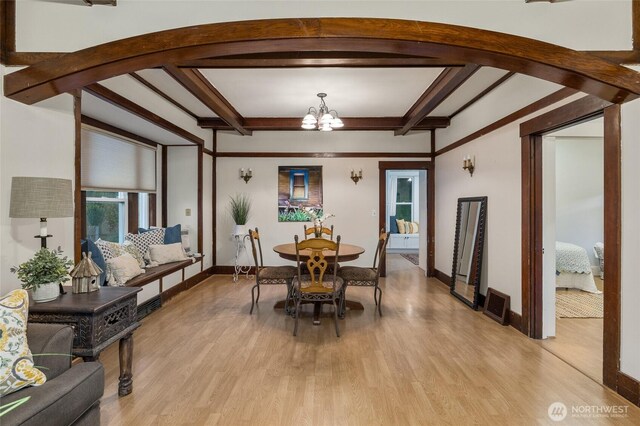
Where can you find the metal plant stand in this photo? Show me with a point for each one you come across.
(239, 268)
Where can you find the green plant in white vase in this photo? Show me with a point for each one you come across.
(43, 273)
(239, 208)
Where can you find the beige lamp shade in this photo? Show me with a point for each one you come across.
(39, 197)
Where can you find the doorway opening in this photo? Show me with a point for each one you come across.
(534, 318)
(406, 212)
(573, 235)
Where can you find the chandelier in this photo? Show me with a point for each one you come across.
(322, 118)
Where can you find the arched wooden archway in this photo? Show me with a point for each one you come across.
(567, 67)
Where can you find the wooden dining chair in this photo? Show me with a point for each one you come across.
(312, 231)
(269, 275)
(319, 285)
(366, 277)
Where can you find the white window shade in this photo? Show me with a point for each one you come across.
(113, 163)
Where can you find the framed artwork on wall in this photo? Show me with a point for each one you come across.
(299, 189)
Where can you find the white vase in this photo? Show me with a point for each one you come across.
(45, 292)
(239, 230)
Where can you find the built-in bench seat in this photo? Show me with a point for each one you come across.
(161, 283)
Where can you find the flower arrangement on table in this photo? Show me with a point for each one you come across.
(318, 217)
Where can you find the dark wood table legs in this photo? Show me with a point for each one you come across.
(317, 308)
(125, 385)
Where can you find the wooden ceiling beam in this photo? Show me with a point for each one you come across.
(336, 62)
(443, 86)
(162, 94)
(203, 90)
(119, 101)
(350, 123)
(90, 121)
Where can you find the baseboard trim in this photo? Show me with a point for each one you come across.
(442, 277)
(515, 321)
(629, 388)
(183, 286)
(228, 270)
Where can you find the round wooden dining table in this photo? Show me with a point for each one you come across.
(346, 253)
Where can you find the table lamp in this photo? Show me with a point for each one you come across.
(40, 197)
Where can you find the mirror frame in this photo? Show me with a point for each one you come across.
(478, 250)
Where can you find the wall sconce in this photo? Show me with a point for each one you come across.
(355, 177)
(246, 176)
(468, 164)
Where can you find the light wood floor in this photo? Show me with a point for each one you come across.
(578, 342)
(202, 359)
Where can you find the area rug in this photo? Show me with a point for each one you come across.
(578, 304)
(413, 258)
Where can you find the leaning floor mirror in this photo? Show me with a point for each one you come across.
(468, 249)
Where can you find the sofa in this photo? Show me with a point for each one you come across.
(70, 396)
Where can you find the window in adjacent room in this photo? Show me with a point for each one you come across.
(404, 199)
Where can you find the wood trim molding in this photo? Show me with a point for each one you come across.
(89, 121)
(325, 154)
(628, 387)
(79, 209)
(164, 184)
(532, 220)
(153, 209)
(200, 87)
(350, 123)
(587, 72)
(567, 115)
(613, 239)
(482, 94)
(160, 93)
(517, 115)
(441, 88)
(132, 212)
(214, 195)
(119, 101)
(442, 277)
(7, 29)
(200, 204)
(318, 59)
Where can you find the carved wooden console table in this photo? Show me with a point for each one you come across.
(98, 320)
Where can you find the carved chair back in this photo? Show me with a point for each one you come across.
(317, 263)
(254, 236)
(323, 231)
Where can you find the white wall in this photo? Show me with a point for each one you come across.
(182, 190)
(353, 205)
(515, 93)
(595, 25)
(35, 140)
(497, 176)
(580, 192)
(630, 290)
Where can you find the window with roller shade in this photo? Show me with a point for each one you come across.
(112, 167)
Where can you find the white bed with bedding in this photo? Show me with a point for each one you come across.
(573, 268)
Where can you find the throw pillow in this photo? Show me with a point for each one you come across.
(173, 234)
(123, 268)
(166, 253)
(144, 240)
(401, 226)
(16, 362)
(129, 247)
(414, 228)
(393, 225)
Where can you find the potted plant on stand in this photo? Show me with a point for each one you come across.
(239, 208)
(43, 273)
